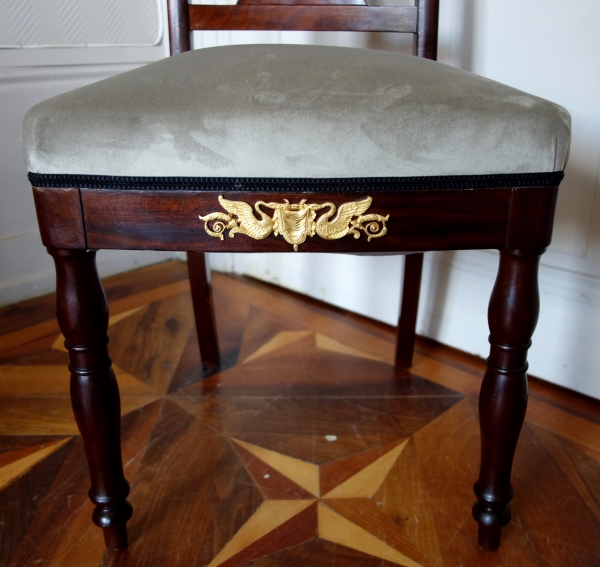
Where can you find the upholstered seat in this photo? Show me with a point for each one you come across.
(289, 111)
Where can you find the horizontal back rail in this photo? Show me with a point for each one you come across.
(306, 2)
(402, 19)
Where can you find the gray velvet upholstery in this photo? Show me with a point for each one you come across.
(295, 111)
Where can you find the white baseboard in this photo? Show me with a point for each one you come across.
(43, 281)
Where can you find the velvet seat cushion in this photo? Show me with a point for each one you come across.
(290, 111)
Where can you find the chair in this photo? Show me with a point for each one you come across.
(309, 148)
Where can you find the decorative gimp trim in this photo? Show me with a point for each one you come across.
(297, 185)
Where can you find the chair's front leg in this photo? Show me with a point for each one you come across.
(512, 315)
(82, 314)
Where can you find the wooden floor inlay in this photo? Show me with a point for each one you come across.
(337, 529)
(16, 463)
(283, 509)
(276, 525)
(306, 449)
(303, 474)
(365, 482)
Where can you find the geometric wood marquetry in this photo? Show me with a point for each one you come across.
(271, 478)
(303, 474)
(365, 482)
(337, 529)
(290, 341)
(15, 464)
(285, 513)
(295, 520)
(306, 448)
(280, 344)
(42, 380)
(327, 343)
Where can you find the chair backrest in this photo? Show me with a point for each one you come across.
(306, 15)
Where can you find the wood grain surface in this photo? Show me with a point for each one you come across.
(420, 220)
(304, 18)
(60, 217)
(223, 463)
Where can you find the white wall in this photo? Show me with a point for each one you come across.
(28, 76)
(548, 49)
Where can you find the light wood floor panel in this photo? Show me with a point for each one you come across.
(306, 448)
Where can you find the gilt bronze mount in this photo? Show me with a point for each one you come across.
(295, 221)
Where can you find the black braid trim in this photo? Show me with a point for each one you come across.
(298, 185)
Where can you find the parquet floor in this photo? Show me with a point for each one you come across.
(306, 449)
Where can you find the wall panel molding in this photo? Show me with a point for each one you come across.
(80, 23)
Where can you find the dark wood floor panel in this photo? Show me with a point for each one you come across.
(321, 553)
(296, 374)
(557, 493)
(305, 449)
(192, 494)
(320, 429)
(30, 490)
(59, 521)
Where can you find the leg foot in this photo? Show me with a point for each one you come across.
(82, 314)
(489, 537)
(491, 521)
(115, 538)
(512, 315)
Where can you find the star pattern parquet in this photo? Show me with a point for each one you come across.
(306, 449)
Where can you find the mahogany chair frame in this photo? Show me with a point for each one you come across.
(513, 214)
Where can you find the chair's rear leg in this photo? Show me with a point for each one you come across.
(512, 314)
(199, 272)
(409, 305)
(82, 314)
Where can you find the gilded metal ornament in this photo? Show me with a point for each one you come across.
(295, 221)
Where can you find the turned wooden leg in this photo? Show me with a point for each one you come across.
(199, 272)
(409, 305)
(82, 314)
(513, 314)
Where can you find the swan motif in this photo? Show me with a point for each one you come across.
(340, 226)
(248, 223)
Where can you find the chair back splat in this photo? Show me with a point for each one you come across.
(305, 148)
